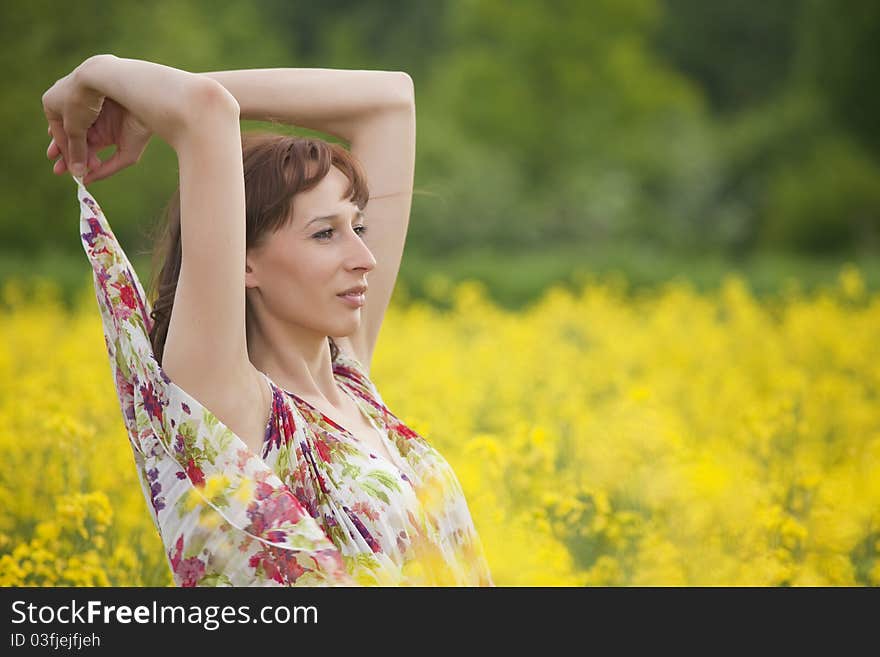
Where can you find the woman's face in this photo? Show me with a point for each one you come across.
(301, 269)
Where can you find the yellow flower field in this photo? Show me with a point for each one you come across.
(602, 438)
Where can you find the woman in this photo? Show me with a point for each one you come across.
(269, 285)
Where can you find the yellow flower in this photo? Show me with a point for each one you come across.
(601, 436)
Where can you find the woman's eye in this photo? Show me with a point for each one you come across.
(325, 234)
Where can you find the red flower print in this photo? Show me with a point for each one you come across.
(152, 403)
(125, 389)
(140, 302)
(365, 509)
(190, 571)
(127, 303)
(175, 555)
(278, 564)
(323, 450)
(273, 511)
(287, 421)
(405, 431)
(264, 490)
(195, 473)
(126, 295)
(322, 484)
(307, 501)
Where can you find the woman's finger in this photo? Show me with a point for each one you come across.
(106, 168)
(94, 161)
(78, 152)
(54, 153)
(56, 128)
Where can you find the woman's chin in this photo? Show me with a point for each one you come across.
(346, 329)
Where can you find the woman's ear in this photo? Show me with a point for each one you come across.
(250, 279)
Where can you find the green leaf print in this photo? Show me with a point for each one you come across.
(302, 533)
(210, 419)
(359, 561)
(375, 491)
(350, 470)
(220, 500)
(284, 455)
(188, 430)
(215, 579)
(366, 559)
(337, 534)
(221, 434)
(209, 453)
(225, 441)
(120, 362)
(139, 321)
(387, 480)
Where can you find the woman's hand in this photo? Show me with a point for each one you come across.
(115, 126)
(114, 100)
(71, 108)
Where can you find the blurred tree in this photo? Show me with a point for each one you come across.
(738, 51)
(537, 123)
(391, 35)
(839, 57)
(827, 201)
(43, 42)
(794, 179)
(800, 170)
(602, 136)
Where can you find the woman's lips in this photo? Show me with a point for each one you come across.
(353, 300)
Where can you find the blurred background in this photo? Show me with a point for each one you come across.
(656, 137)
(637, 309)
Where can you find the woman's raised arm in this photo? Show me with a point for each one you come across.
(224, 516)
(169, 102)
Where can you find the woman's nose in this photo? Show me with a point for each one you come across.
(361, 257)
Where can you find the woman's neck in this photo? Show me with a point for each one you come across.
(297, 360)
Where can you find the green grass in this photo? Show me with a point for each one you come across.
(514, 279)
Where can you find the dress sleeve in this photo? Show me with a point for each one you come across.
(223, 515)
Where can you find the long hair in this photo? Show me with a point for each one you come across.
(276, 168)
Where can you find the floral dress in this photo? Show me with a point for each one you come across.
(315, 508)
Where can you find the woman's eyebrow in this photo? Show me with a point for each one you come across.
(332, 217)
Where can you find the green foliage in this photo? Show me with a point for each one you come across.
(564, 118)
(794, 180)
(42, 44)
(837, 58)
(677, 123)
(829, 199)
(740, 53)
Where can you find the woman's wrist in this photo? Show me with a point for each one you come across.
(166, 100)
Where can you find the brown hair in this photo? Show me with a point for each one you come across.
(275, 170)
